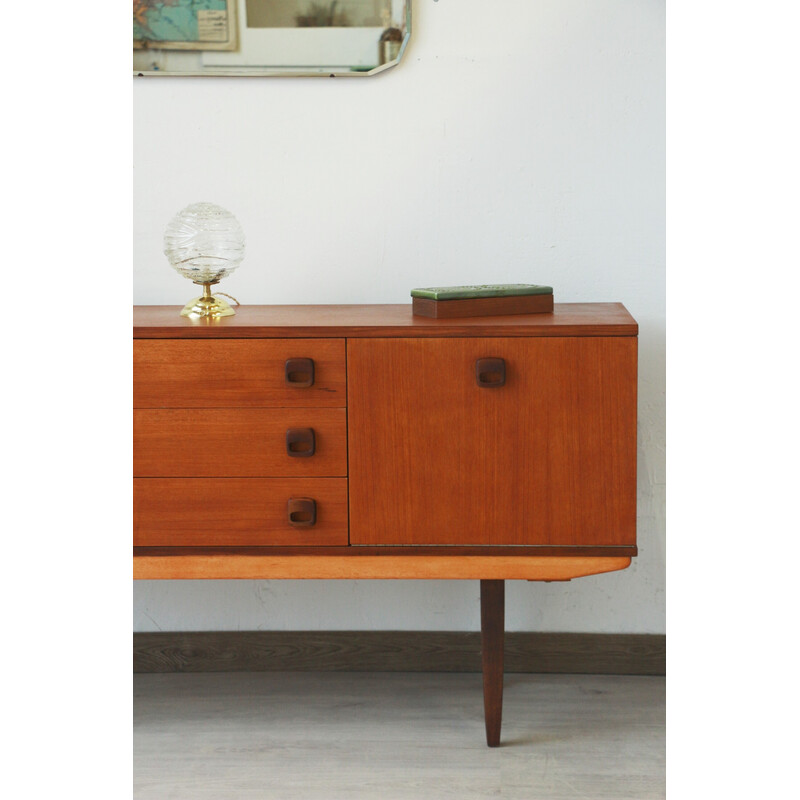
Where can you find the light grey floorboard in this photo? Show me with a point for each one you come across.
(358, 736)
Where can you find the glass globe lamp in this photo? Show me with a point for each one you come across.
(204, 243)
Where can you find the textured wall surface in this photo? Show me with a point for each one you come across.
(518, 141)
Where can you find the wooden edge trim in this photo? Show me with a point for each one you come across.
(388, 332)
(388, 551)
(440, 567)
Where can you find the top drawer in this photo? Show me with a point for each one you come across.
(237, 373)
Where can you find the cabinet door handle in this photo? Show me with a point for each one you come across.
(300, 442)
(490, 373)
(300, 372)
(302, 512)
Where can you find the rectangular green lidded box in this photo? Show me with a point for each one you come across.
(486, 300)
(481, 290)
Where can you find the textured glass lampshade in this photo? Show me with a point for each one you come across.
(204, 243)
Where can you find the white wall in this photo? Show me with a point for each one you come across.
(518, 141)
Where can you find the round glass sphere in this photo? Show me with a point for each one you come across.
(204, 242)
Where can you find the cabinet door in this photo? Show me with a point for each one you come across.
(548, 458)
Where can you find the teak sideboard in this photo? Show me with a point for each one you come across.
(364, 442)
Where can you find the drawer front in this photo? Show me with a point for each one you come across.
(235, 373)
(492, 441)
(227, 512)
(232, 442)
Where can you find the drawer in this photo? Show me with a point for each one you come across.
(197, 512)
(238, 442)
(233, 373)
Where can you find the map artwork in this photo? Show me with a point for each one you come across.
(182, 24)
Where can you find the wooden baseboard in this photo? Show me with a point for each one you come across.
(395, 651)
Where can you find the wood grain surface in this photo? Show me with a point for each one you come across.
(352, 321)
(235, 511)
(413, 550)
(231, 442)
(396, 651)
(482, 306)
(392, 736)
(348, 567)
(493, 594)
(548, 458)
(236, 373)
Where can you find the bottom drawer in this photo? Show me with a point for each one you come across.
(218, 512)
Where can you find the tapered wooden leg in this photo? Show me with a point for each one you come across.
(493, 603)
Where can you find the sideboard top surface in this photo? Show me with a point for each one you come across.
(288, 321)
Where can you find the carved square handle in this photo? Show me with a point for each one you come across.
(302, 512)
(300, 442)
(490, 373)
(299, 372)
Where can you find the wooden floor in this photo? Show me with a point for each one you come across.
(332, 735)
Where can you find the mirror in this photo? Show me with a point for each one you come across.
(269, 37)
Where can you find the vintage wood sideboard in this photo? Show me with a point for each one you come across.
(364, 442)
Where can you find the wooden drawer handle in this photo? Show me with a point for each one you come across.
(300, 442)
(490, 373)
(300, 372)
(302, 512)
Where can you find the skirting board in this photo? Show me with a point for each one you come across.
(395, 651)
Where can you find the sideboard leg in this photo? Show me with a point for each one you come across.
(492, 638)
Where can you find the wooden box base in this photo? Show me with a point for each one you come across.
(482, 306)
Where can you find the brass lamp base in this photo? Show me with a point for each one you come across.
(207, 306)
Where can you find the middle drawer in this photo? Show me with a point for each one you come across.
(239, 442)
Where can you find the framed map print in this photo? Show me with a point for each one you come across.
(184, 24)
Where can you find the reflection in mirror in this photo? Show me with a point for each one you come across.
(269, 37)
